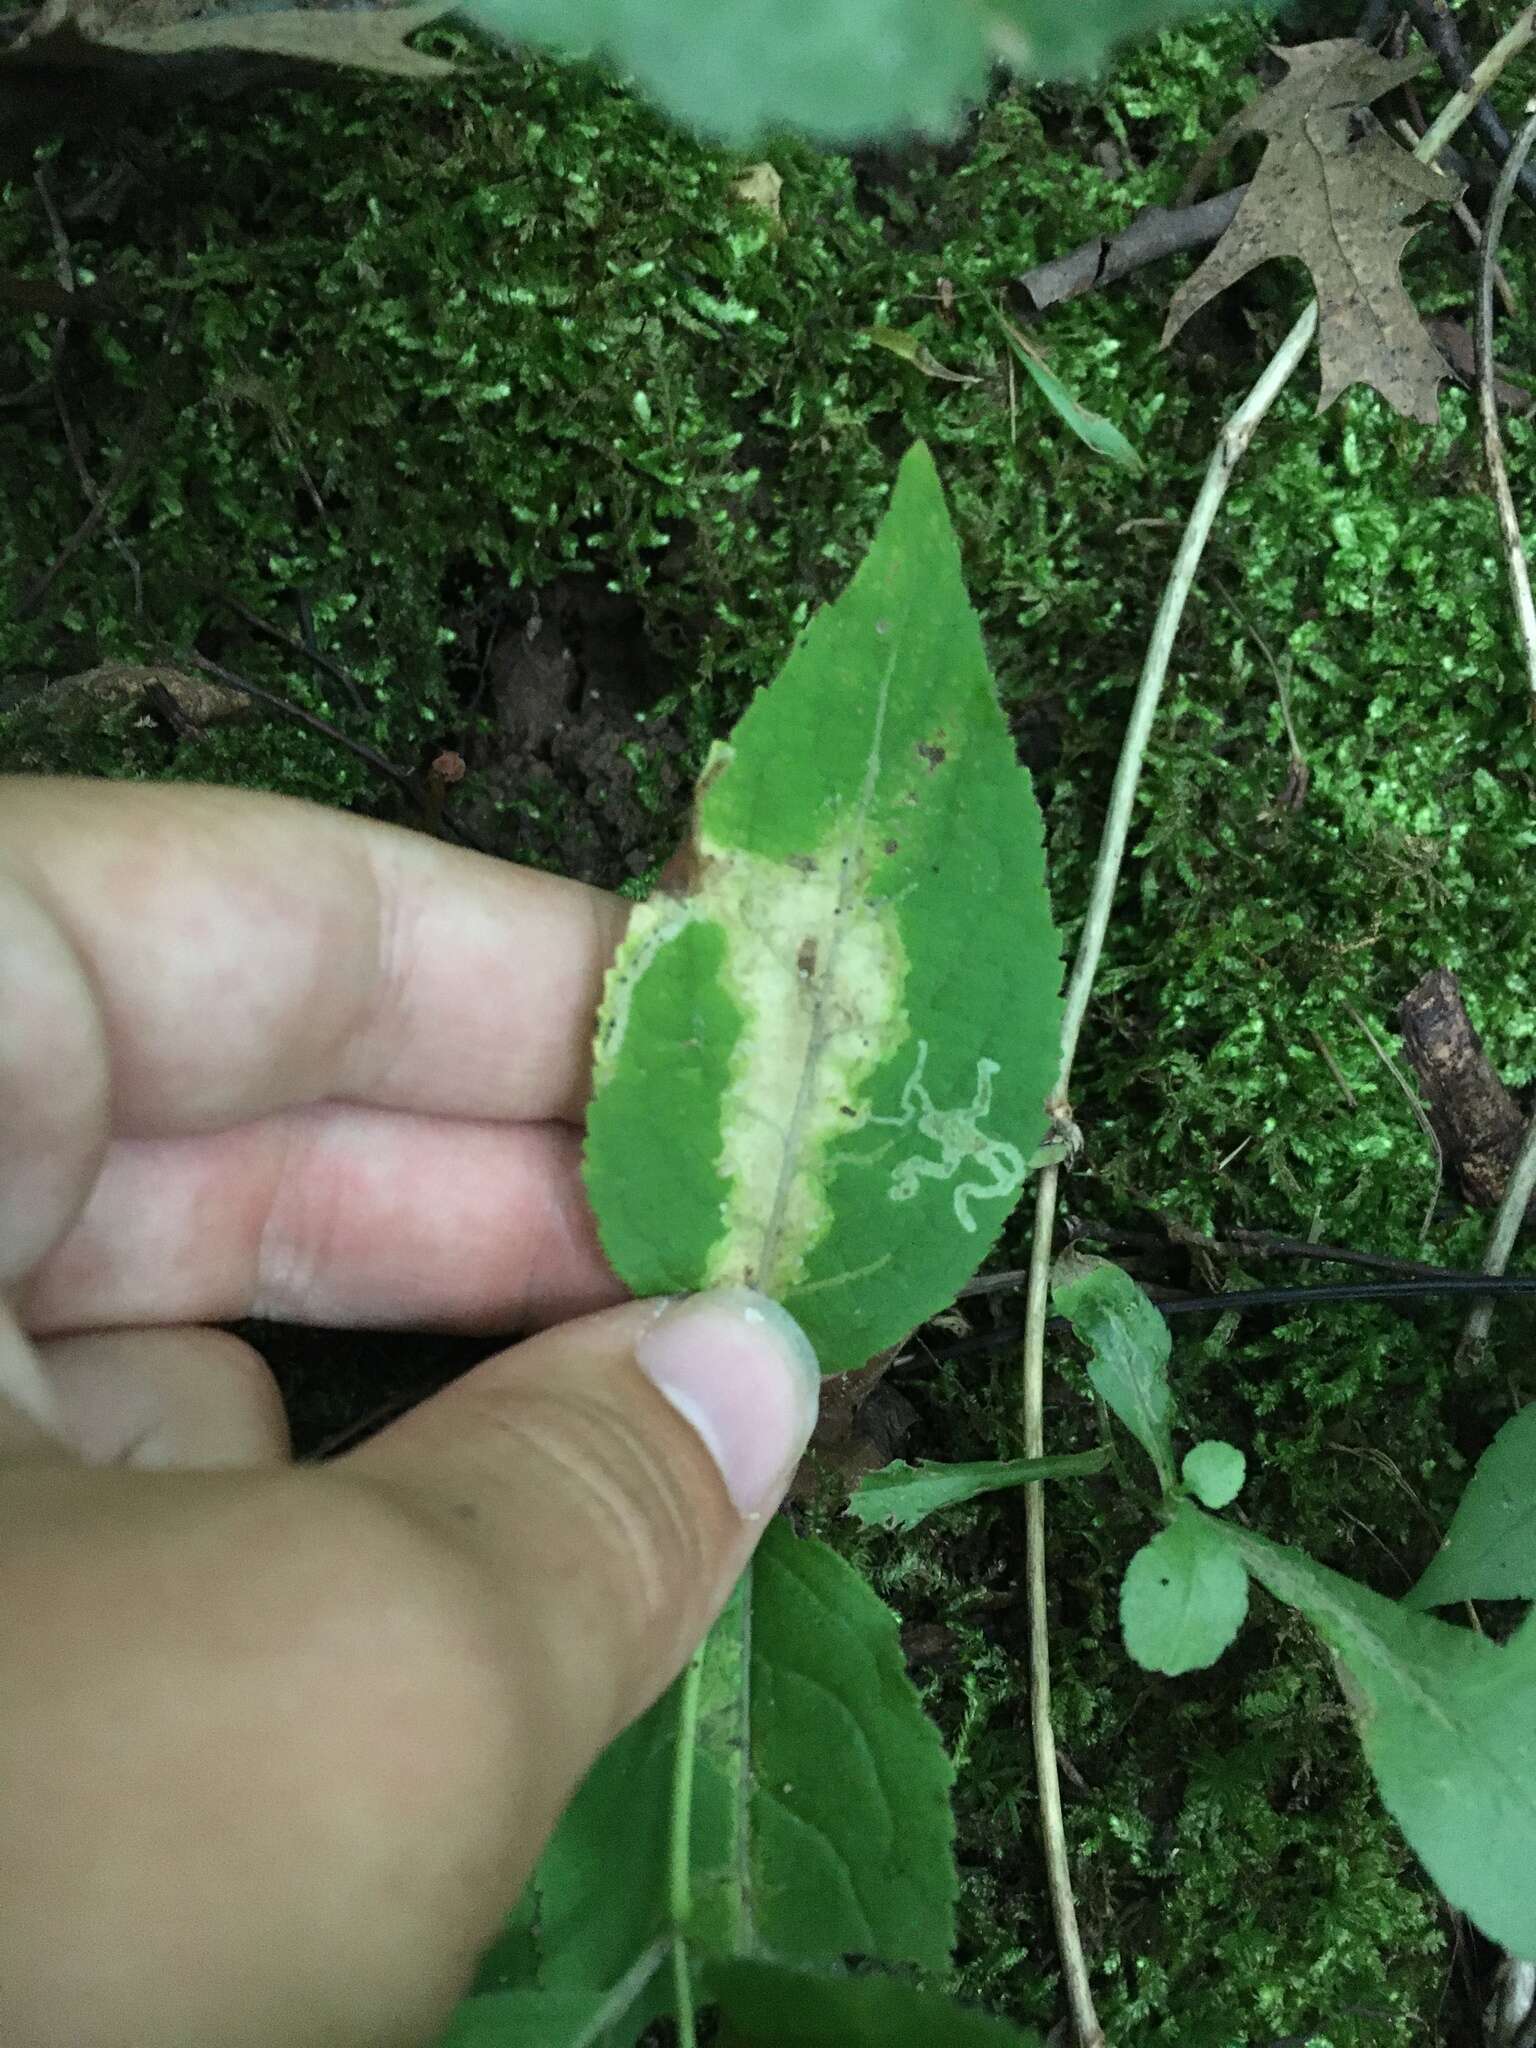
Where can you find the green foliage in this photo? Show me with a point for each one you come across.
(1443, 1714)
(818, 1822)
(1489, 1551)
(901, 1495)
(822, 1060)
(1213, 1472)
(839, 68)
(764, 2005)
(1130, 1347)
(1094, 431)
(1445, 1719)
(1183, 1597)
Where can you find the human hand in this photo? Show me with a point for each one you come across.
(279, 1745)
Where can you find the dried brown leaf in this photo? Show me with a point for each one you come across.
(1334, 190)
(361, 38)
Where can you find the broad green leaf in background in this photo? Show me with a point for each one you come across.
(1214, 1472)
(1091, 428)
(820, 1814)
(1183, 1597)
(1447, 1720)
(1489, 1551)
(824, 1051)
(764, 2005)
(902, 1495)
(1130, 1345)
(840, 68)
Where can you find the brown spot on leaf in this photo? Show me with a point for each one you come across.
(805, 959)
(932, 753)
(892, 846)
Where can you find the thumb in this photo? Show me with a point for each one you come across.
(612, 1477)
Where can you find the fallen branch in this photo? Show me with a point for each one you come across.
(1155, 233)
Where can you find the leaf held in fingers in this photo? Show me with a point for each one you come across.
(902, 1495)
(1214, 1473)
(765, 2005)
(1336, 198)
(1489, 1551)
(1183, 1597)
(1446, 1720)
(825, 1046)
(1091, 428)
(1130, 1345)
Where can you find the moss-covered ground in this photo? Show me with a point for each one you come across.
(445, 379)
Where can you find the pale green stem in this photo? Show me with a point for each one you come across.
(1058, 1870)
(1488, 403)
(679, 1847)
(1522, 1180)
(1231, 445)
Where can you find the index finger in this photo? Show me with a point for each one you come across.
(246, 954)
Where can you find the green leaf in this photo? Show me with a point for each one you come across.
(765, 2005)
(820, 1811)
(1214, 1472)
(1183, 1597)
(849, 1845)
(530, 2019)
(917, 353)
(840, 68)
(1447, 1722)
(1130, 1345)
(823, 1055)
(1489, 1551)
(902, 1495)
(1091, 428)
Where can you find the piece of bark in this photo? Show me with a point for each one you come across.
(1156, 232)
(1476, 1119)
(197, 701)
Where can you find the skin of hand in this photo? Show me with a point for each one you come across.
(280, 1744)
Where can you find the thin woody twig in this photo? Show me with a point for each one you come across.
(1156, 232)
(1435, 23)
(286, 708)
(1487, 398)
(302, 648)
(1501, 1242)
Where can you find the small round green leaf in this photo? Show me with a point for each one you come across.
(1214, 1472)
(1183, 1597)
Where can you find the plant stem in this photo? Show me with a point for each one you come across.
(1501, 1242)
(1231, 445)
(679, 1846)
(1058, 1870)
(1493, 444)
(1456, 110)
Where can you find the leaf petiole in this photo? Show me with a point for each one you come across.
(679, 1863)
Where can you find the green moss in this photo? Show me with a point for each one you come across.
(404, 353)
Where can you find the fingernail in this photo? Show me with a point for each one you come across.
(25, 1385)
(742, 1372)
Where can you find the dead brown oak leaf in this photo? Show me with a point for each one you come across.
(83, 34)
(1335, 190)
